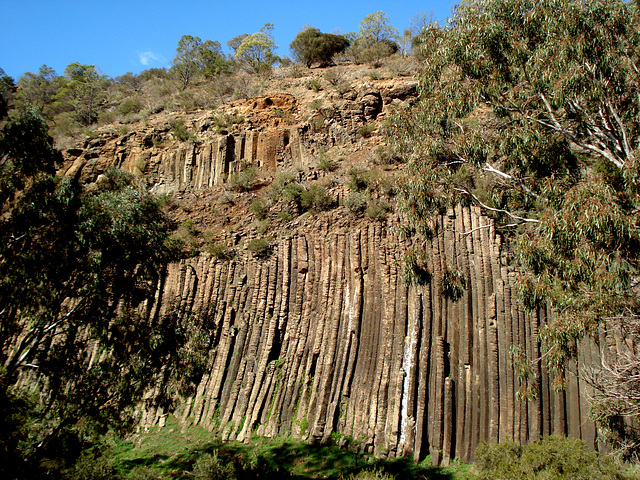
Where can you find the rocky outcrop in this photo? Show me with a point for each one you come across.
(323, 339)
(267, 132)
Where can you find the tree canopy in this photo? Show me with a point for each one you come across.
(195, 56)
(76, 268)
(312, 46)
(257, 50)
(530, 110)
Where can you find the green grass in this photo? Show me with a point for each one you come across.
(169, 453)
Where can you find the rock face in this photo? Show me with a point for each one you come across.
(323, 339)
(269, 134)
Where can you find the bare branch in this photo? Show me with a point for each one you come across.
(486, 207)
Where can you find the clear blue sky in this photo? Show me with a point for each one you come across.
(120, 36)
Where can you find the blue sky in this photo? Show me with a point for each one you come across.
(122, 36)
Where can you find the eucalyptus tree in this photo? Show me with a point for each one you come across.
(256, 51)
(312, 46)
(38, 89)
(84, 91)
(76, 267)
(197, 57)
(530, 110)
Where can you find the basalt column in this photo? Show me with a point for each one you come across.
(323, 339)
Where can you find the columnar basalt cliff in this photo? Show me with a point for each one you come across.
(323, 340)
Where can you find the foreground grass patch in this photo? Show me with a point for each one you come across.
(173, 452)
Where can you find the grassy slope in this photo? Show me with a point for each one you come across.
(169, 452)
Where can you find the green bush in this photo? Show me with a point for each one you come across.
(316, 198)
(243, 181)
(357, 203)
(359, 179)
(212, 467)
(130, 105)
(259, 208)
(325, 163)
(260, 246)
(454, 284)
(315, 84)
(316, 104)
(378, 210)
(219, 250)
(371, 475)
(311, 46)
(415, 270)
(180, 131)
(551, 458)
(366, 130)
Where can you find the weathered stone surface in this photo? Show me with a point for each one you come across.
(324, 338)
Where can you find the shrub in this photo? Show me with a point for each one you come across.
(325, 163)
(130, 105)
(260, 246)
(550, 458)
(212, 467)
(371, 475)
(378, 210)
(315, 84)
(415, 270)
(179, 130)
(385, 156)
(366, 130)
(334, 76)
(219, 250)
(243, 181)
(359, 179)
(454, 284)
(285, 216)
(316, 104)
(259, 209)
(316, 198)
(357, 203)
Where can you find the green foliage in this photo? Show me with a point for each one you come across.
(375, 27)
(454, 283)
(315, 84)
(84, 92)
(256, 51)
(378, 210)
(370, 475)
(130, 105)
(359, 179)
(261, 247)
(366, 130)
(197, 57)
(74, 266)
(415, 270)
(244, 180)
(169, 453)
(219, 250)
(180, 130)
(259, 208)
(38, 89)
(315, 198)
(552, 457)
(311, 46)
(212, 467)
(325, 163)
(357, 202)
(529, 110)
